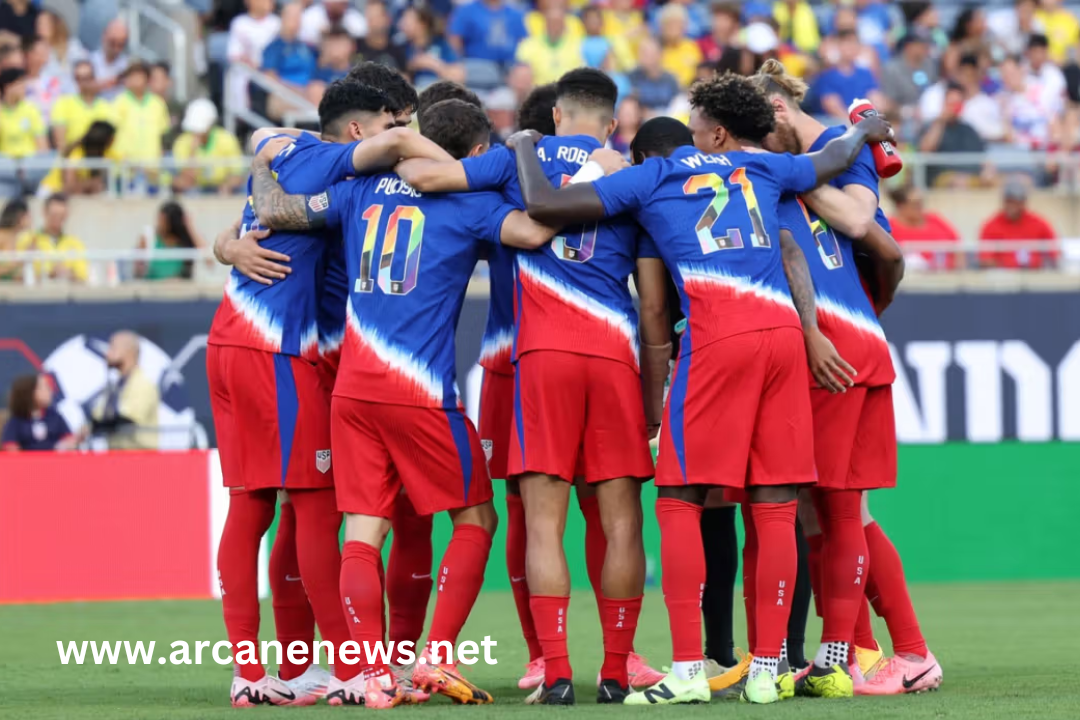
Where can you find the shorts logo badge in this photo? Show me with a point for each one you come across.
(322, 460)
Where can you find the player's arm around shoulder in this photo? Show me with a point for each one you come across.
(575, 203)
(389, 148)
(521, 231)
(277, 209)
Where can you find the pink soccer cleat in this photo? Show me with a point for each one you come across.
(641, 675)
(534, 674)
(268, 690)
(899, 676)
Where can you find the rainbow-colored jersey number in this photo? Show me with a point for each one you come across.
(828, 246)
(586, 244)
(411, 246)
(731, 238)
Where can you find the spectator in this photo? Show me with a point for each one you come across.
(1061, 27)
(11, 54)
(798, 25)
(34, 422)
(980, 111)
(70, 263)
(45, 83)
(1032, 115)
(873, 24)
(922, 18)
(327, 14)
(630, 117)
(172, 231)
(600, 51)
(429, 56)
(623, 20)
(536, 23)
(968, 38)
(500, 106)
(161, 85)
(838, 86)
(249, 34)
(64, 50)
(487, 30)
(110, 60)
(844, 20)
(22, 133)
(697, 18)
(335, 61)
(1046, 73)
(287, 59)
(680, 55)
(723, 31)
(1012, 28)
(14, 221)
(142, 118)
(655, 86)
(520, 79)
(907, 75)
(19, 17)
(97, 142)
(948, 133)
(378, 45)
(911, 223)
(73, 114)
(126, 410)
(554, 54)
(203, 139)
(1016, 223)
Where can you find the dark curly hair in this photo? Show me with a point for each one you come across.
(345, 97)
(441, 90)
(733, 102)
(456, 126)
(535, 111)
(401, 94)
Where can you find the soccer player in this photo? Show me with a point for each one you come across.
(396, 415)
(741, 370)
(400, 94)
(265, 336)
(855, 436)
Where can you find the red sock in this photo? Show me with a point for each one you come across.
(408, 573)
(515, 566)
(682, 556)
(750, 555)
(595, 545)
(250, 515)
(844, 576)
(864, 629)
(461, 573)
(549, 613)
(293, 618)
(813, 559)
(777, 565)
(362, 599)
(888, 593)
(619, 620)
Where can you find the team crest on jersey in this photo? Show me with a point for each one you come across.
(322, 460)
(319, 203)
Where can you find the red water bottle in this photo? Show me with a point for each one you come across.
(886, 158)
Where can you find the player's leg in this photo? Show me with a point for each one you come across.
(595, 541)
(721, 567)
(408, 572)
(868, 655)
(800, 603)
(293, 618)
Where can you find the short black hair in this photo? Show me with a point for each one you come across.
(1038, 40)
(659, 136)
(535, 111)
(733, 102)
(136, 66)
(590, 88)
(346, 96)
(969, 60)
(10, 76)
(399, 92)
(456, 126)
(12, 213)
(56, 198)
(441, 90)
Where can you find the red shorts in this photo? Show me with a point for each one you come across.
(496, 416)
(578, 415)
(434, 453)
(738, 414)
(855, 438)
(272, 419)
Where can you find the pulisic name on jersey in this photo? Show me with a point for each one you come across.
(395, 186)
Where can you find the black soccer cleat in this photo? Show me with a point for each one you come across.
(561, 693)
(611, 692)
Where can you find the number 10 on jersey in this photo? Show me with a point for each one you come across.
(412, 245)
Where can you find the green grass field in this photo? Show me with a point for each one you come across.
(1008, 651)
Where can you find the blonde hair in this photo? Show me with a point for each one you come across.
(673, 11)
(773, 79)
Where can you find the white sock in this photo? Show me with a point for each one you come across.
(686, 670)
(831, 653)
(763, 664)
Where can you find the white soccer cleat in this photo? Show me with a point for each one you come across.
(313, 681)
(268, 690)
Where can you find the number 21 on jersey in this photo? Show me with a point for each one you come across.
(395, 241)
(731, 238)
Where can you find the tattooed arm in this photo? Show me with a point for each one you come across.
(275, 208)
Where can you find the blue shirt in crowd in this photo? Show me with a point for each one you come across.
(488, 33)
(41, 432)
(292, 60)
(848, 86)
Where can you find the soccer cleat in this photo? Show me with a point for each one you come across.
(313, 681)
(830, 682)
(785, 680)
(561, 693)
(381, 692)
(404, 676)
(534, 675)
(869, 661)
(345, 692)
(533, 698)
(672, 691)
(760, 689)
(641, 675)
(727, 682)
(899, 676)
(611, 692)
(268, 690)
(445, 680)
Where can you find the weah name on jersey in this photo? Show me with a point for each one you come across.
(695, 161)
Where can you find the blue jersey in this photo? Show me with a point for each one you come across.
(496, 349)
(845, 314)
(572, 294)
(409, 258)
(333, 296)
(282, 317)
(713, 219)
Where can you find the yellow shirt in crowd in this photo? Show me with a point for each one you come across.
(536, 27)
(1062, 31)
(550, 61)
(800, 26)
(21, 127)
(220, 145)
(681, 60)
(68, 250)
(54, 181)
(140, 125)
(75, 115)
(627, 27)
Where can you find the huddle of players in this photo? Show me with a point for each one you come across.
(567, 379)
